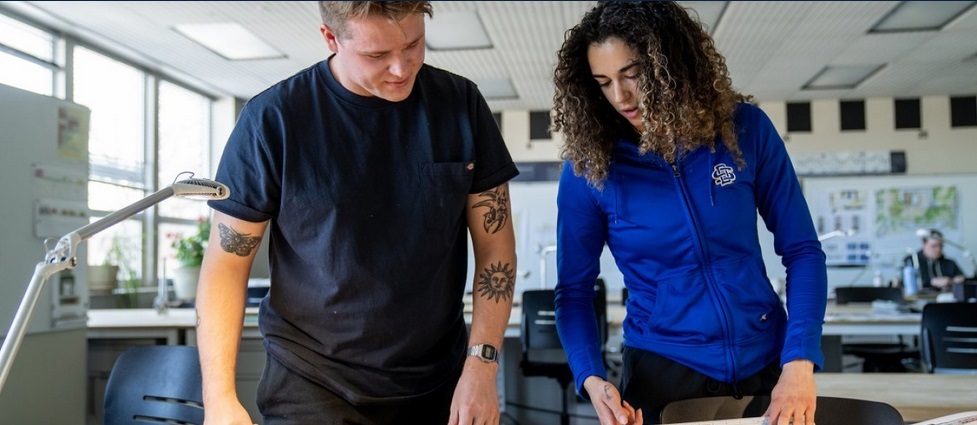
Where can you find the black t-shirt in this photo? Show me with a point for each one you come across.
(368, 234)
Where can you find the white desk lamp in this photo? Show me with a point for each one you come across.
(835, 234)
(62, 256)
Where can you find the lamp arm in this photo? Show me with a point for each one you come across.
(19, 325)
(835, 234)
(544, 252)
(914, 255)
(62, 257)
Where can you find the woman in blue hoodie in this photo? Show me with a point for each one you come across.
(669, 166)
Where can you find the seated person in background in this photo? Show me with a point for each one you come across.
(935, 270)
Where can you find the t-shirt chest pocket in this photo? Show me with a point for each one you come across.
(443, 190)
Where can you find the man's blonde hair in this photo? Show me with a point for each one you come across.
(336, 14)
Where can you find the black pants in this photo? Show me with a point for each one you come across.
(286, 398)
(650, 381)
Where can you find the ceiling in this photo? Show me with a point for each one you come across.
(772, 48)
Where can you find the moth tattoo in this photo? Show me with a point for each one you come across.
(237, 243)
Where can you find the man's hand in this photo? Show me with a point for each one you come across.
(611, 410)
(229, 414)
(476, 398)
(940, 281)
(795, 395)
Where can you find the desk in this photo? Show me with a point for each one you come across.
(859, 319)
(922, 396)
(917, 396)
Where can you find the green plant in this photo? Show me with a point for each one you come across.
(190, 249)
(124, 253)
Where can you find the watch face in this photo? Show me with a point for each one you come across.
(488, 352)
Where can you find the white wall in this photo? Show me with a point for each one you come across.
(942, 151)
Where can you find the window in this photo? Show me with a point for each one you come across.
(539, 125)
(115, 93)
(184, 147)
(963, 111)
(852, 114)
(798, 117)
(908, 114)
(27, 57)
(128, 163)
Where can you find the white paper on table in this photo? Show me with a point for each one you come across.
(740, 421)
(954, 419)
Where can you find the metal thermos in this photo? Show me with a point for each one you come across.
(909, 283)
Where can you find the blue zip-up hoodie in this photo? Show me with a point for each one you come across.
(685, 239)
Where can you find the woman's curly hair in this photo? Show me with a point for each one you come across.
(686, 96)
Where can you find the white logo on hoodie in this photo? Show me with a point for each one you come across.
(723, 175)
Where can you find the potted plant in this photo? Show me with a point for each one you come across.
(189, 256)
(116, 273)
(103, 277)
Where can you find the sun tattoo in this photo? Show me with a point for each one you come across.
(497, 281)
(498, 208)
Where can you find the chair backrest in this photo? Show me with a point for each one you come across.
(948, 338)
(867, 294)
(966, 291)
(538, 322)
(600, 307)
(830, 410)
(155, 384)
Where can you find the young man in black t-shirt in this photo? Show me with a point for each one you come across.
(369, 170)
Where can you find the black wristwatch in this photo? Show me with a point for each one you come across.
(485, 352)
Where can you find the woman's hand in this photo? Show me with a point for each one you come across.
(795, 395)
(611, 410)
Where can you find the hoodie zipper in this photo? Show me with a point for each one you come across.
(703, 253)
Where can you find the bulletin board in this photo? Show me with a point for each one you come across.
(881, 214)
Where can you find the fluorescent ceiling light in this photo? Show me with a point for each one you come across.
(841, 76)
(497, 89)
(230, 40)
(457, 30)
(709, 12)
(921, 16)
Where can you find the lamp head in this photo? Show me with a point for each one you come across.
(929, 234)
(201, 188)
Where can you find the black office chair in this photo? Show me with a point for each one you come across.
(876, 357)
(542, 351)
(155, 384)
(830, 410)
(949, 338)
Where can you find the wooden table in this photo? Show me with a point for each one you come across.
(860, 319)
(917, 396)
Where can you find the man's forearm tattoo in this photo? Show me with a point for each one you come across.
(497, 282)
(498, 208)
(237, 243)
(607, 391)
